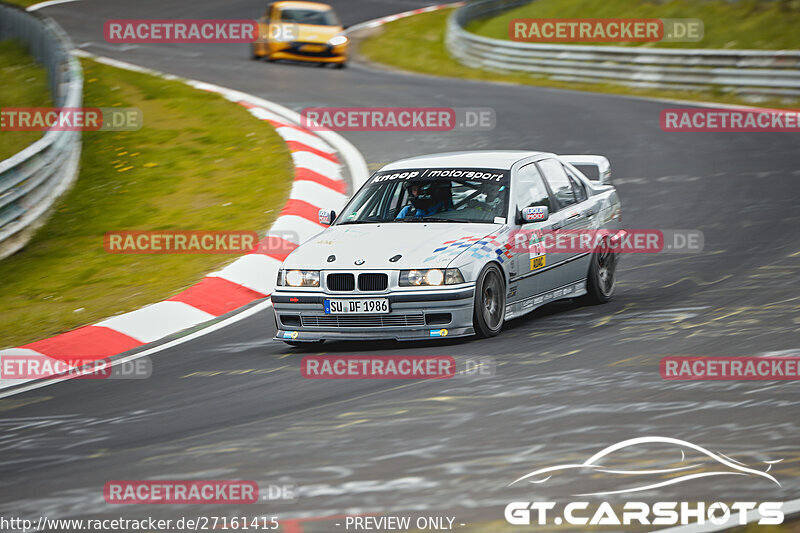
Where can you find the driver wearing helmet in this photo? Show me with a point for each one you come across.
(425, 198)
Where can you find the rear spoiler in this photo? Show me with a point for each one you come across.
(598, 162)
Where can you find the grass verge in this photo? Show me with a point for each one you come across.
(416, 44)
(24, 85)
(199, 163)
(749, 24)
(22, 3)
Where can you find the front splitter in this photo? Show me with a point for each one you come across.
(361, 334)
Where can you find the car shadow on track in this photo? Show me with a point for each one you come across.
(388, 346)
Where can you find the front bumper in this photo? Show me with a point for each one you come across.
(324, 53)
(413, 315)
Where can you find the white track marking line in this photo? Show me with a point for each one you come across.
(205, 331)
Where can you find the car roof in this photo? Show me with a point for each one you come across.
(502, 159)
(302, 5)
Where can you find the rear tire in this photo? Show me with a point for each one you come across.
(489, 305)
(602, 277)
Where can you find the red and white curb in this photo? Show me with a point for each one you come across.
(318, 183)
(374, 23)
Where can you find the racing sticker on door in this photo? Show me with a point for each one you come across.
(536, 251)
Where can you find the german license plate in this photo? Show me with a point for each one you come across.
(313, 48)
(371, 306)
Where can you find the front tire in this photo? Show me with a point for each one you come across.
(602, 277)
(489, 307)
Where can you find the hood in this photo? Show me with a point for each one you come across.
(421, 245)
(317, 34)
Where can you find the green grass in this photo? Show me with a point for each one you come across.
(199, 163)
(416, 44)
(24, 84)
(757, 24)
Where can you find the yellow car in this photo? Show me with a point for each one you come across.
(301, 31)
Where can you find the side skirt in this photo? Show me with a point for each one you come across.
(523, 307)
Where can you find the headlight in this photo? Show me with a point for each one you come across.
(298, 278)
(336, 41)
(430, 277)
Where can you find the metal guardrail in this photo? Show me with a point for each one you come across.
(755, 72)
(32, 180)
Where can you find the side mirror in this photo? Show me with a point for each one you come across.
(326, 217)
(538, 213)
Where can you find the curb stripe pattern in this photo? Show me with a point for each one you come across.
(317, 183)
(391, 18)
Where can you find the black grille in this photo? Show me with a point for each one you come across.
(296, 48)
(341, 282)
(362, 321)
(373, 282)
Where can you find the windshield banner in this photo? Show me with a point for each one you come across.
(450, 173)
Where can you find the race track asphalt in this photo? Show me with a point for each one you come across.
(569, 379)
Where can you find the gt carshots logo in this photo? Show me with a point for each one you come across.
(695, 462)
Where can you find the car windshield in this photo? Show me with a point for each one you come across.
(430, 195)
(313, 17)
